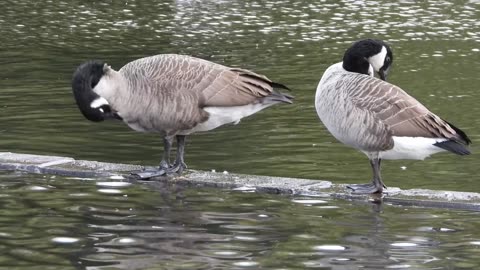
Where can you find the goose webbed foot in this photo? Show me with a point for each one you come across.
(147, 174)
(177, 168)
(370, 188)
(165, 169)
(377, 185)
(162, 170)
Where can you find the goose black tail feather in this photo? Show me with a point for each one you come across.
(275, 96)
(454, 147)
(460, 132)
(279, 85)
(272, 84)
(278, 97)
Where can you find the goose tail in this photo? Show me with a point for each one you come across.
(458, 144)
(277, 96)
(454, 147)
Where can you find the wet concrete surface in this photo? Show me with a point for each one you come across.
(67, 166)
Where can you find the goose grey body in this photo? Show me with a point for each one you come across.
(174, 95)
(380, 119)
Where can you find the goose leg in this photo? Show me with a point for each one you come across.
(377, 184)
(164, 166)
(179, 165)
(167, 145)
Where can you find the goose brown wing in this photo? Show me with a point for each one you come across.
(403, 114)
(212, 84)
(235, 87)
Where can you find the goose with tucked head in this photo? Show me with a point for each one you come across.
(379, 118)
(173, 95)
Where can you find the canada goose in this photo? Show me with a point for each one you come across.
(379, 118)
(174, 95)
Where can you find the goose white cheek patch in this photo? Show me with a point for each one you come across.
(370, 71)
(98, 102)
(378, 59)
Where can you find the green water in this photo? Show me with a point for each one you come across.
(52, 222)
(436, 48)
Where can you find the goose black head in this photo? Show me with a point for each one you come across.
(368, 54)
(86, 77)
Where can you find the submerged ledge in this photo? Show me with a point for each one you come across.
(67, 166)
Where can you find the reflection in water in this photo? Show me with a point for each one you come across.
(71, 224)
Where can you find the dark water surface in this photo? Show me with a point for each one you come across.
(68, 223)
(65, 223)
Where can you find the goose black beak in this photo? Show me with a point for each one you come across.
(383, 74)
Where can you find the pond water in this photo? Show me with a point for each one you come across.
(52, 222)
(64, 223)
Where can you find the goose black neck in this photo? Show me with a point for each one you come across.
(85, 78)
(355, 62)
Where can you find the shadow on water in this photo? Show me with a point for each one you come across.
(64, 222)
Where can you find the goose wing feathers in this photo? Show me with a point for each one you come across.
(234, 87)
(402, 114)
(212, 84)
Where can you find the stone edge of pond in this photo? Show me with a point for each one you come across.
(70, 167)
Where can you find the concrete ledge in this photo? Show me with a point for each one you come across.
(67, 166)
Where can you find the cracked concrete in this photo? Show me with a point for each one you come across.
(68, 166)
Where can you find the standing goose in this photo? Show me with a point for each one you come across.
(379, 118)
(174, 95)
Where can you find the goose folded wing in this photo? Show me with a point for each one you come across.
(404, 115)
(236, 87)
(213, 84)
